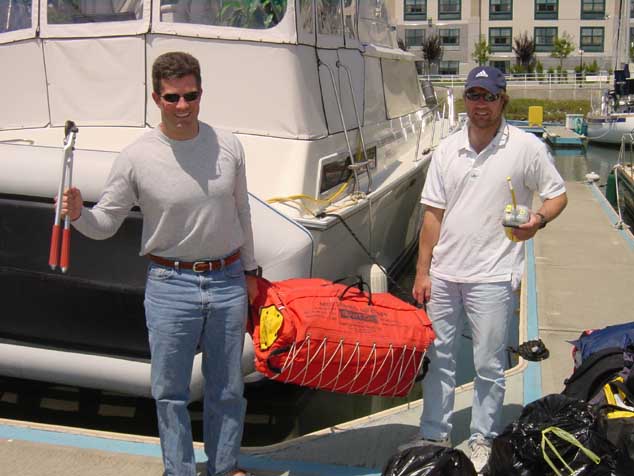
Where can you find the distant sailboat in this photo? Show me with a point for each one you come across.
(615, 116)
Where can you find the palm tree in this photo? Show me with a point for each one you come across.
(524, 49)
(432, 50)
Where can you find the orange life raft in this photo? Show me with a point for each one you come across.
(330, 336)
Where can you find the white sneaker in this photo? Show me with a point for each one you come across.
(418, 442)
(480, 452)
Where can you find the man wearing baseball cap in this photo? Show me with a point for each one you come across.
(468, 271)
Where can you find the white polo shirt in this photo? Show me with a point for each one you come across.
(473, 190)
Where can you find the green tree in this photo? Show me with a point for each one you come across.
(432, 50)
(562, 47)
(524, 49)
(481, 51)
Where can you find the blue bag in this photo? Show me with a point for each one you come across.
(590, 341)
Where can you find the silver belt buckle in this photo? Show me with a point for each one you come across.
(197, 263)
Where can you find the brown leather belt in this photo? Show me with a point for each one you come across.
(197, 266)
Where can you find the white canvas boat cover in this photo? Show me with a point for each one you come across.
(283, 248)
(96, 81)
(23, 86)
(270, 90)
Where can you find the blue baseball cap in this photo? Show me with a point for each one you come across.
(486, 77)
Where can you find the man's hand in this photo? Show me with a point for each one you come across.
(252, 288)
(527, 230)
(72, 203)
(551, 208)
(422, 288)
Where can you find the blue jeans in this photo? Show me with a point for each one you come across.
(185, 310)
(488, 308)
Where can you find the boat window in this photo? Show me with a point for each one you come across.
(15, 15)
(373, 23)
(350, 19)
(61, 12)
(334, 172)
(306, 17)
(329, 17)
(258, 15)
(400, 85)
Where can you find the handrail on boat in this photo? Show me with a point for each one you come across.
(440, 113)
(356, 114)
(353, 166)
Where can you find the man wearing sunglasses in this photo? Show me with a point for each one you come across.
(189, 180)
(467, 269)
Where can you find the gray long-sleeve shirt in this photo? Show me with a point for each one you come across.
(192, 193)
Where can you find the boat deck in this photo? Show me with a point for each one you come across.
(579, 276)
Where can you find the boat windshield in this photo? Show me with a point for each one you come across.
(329, 17)
(254, 14)
(15, 15)
(61, 12)
(374, 24)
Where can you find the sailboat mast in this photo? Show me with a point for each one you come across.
(622, 51)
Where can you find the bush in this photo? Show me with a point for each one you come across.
(539, 67)
(593, 67)
(517, 69)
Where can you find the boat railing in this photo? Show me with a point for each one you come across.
(598, 80)
(622, 161)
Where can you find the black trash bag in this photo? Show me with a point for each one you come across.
(517, 450)
(429, 460)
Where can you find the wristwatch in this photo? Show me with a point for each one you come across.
(253, 272)
(542, 220)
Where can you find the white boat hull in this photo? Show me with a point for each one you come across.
(609, 129)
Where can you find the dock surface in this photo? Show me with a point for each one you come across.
(560, 136)
(580, 275)
(585, 277)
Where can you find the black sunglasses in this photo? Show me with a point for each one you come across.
(189, 97)
(488, 97)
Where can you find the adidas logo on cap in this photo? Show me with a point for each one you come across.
(482, 74)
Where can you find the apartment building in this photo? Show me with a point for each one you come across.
(592, 25)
